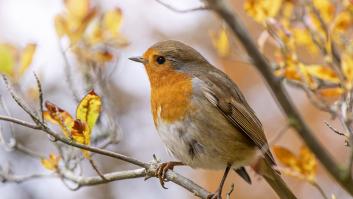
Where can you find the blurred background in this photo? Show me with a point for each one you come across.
(143, 22)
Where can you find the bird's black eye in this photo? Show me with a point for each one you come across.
(160, 60)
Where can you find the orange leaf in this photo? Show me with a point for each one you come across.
(307, 163)
(81, 134)
(331, 92)
(51, 163)
(286, 157)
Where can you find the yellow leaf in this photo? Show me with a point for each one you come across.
(51, 163)
(26, 58)
(322, 72)
(286, 157)
(326, 9)
(303, 38)
(261, 10)
(112, 21)
(56, 115)
(61, 26)
(77, 8)
(221, 42)
(97, 35)
(302, 166)
(347, 67)
(307, 163)
(343, 21)
(7, 60)
(81, 134)
(306, 77)
(89, 109)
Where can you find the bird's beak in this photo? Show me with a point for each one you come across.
(137, 59)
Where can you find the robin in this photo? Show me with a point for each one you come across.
(203, 118)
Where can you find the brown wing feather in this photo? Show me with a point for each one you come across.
(226, 96)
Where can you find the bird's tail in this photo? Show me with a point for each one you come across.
(274, 179)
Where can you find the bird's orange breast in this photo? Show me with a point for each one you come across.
(170, 94)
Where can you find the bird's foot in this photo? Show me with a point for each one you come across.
(162, 170)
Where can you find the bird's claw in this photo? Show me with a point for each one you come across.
(162, 170)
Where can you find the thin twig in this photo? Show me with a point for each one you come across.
(96, 169)
(318, 187)
(40, 92)
(28, 151)
(172, 8)
(334, 130)
(19, 101)
(230, 191)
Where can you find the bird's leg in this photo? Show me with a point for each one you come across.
(218, 193)
(163, 168)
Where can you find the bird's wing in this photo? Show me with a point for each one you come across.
(225, 95)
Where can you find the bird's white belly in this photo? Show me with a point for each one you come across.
(181, 144)
(199, 149)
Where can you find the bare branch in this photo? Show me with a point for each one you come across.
(20, 122)
(95, 180)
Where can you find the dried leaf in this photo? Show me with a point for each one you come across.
(57, 115)
(81, 134)
(51, 163)
(220, 41)
(26, 58)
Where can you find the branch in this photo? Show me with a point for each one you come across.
(278, 90)
(20, 122)
(151, 168)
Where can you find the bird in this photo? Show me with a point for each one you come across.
(203, 118)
